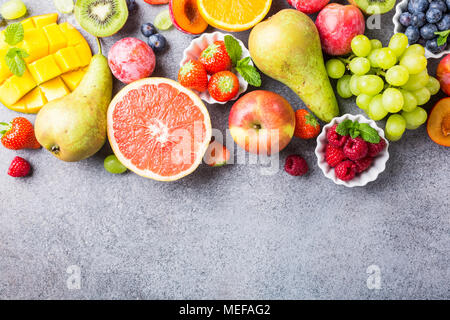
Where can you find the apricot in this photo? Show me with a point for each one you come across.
(438, 126)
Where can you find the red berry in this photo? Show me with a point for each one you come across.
(308, 6)
(306, 125)
(363, 164)
(376, 148)
(295, 165)
(345, 170)
(355, 148)
(334, 155)
(19, 134)
(193, 75)
(215, 58)
(334, 138)
(19, 168)
(223, 86)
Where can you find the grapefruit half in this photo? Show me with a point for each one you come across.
(159, 129)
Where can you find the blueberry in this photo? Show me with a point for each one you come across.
(444, 24)
(413, 34)
(405, 19)
(148, 29)
(432, 46)
(132, 5)
(416, 6)
(427, 31)
(157, 42)
(447, 2)
(439, 4)
(433, 15)
(418, 20)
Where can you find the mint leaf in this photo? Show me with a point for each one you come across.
(234, 49)
(368, 133)
(249, 72)
(443, 35)
(344, 127)
(15, 61)
(14, 33)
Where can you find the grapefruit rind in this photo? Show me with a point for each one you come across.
(147, 173)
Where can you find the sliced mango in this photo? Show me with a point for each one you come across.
(73, 79)
(28, 24)
(67, 59)
(54, 89)
(15, 88)
(5, 73)
(84, 52)
(72, 35)
(35, 100)
(55, 37)
(44, 20)
(44, 69)
(20, 106)
(36, 44)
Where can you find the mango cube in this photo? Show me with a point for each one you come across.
(84, 52)
(15, 88)
(44, 69)
(72, 35)
(5, 73)
(28, 24)
(36, 44)
(35, 100)
(45, 19)
(67, 59)
(55, 37)
(73, 79)
(20, 106)
(54, 89)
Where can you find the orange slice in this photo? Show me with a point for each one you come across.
(234, 15)
(159, 129)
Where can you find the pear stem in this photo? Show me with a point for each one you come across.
(99, 46)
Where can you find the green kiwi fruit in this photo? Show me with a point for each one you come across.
(101, 18)
(374, 6)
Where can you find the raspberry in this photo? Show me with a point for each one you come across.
(19, 168)
(356, 148)
(335, 138)
(363, 164)
(334, 155)
(345, 170)
(376, 148)
(295, 165)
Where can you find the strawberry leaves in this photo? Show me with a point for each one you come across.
(355, 129)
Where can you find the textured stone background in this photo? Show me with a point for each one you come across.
(227, 233)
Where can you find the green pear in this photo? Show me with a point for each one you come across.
(73, 128)
(287, 47)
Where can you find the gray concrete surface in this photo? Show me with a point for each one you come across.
(228, 233)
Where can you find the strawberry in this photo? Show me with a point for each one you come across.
(193, 75)
(223, 86)
(19, 168)
(157, 1)
(306, 125)
(217, 155)
(215, 58)
(19, 134)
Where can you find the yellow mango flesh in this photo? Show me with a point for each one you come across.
(58, 55)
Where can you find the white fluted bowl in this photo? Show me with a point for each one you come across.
(378, 164)
(195, 49)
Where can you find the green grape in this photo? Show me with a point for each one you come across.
(422, 96)
(415, 118)
(361, 45)
(416, 49)
(335, 68)
(397, 76)
(359, 66)
(163, 20)
(414, 63)
(354, 85)
(398, 43)
(113, 165)
(370, 84)
(409, 101)
(386, 58)
(376, 44)
(343, 86)
(64, 6)
(13, 9)
(363, 101)
(417, 81)
(376, 110)
(395, 127)
(373, 58)
(433, 85)
(392, 100)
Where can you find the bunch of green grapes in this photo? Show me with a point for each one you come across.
(386, 80)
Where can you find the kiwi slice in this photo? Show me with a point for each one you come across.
(374, 6)
(101, 18)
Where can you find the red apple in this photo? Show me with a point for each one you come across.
(337, 25)
(443, 74)
(186, 17)
(308, 6)
(262, 122)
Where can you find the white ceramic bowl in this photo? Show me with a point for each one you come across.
(378, 165)
(401, 7)
(195, 49)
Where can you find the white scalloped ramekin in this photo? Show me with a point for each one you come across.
(195, 49)
(398, 28)
(377, 167)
